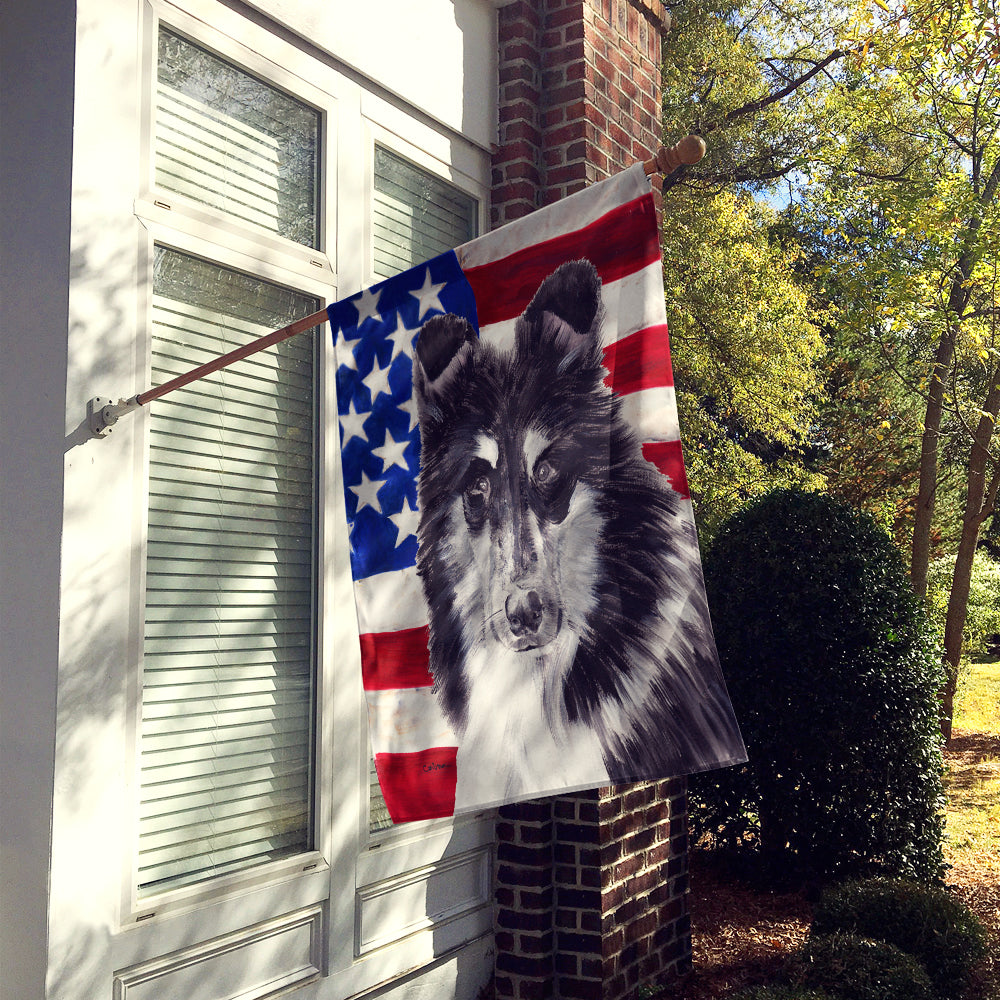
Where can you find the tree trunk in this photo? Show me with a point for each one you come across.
(958, 299)
(980, 499)
(920, 553)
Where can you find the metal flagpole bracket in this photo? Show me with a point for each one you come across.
(103, 413)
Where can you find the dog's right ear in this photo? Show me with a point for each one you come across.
(443, 345)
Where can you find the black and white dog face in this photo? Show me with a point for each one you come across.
(514, 456)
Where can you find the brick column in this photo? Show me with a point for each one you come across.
(579, 96)
(591, 889)
(518, 174)
(524, 896)
(591, 893)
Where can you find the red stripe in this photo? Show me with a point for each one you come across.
(418, 785)
(667, 457)
(639, 361)
(619, 243)
(395, 659)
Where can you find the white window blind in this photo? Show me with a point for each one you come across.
(415, 216)
(228, 659)
(228, 140)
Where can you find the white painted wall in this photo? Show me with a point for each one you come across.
(430, 53)
(72, 288)
(36, 118)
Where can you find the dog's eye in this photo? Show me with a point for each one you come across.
(545, 473)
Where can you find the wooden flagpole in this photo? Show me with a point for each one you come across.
(260, 344)
(102, 413)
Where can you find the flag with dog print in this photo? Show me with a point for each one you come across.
(527, 577)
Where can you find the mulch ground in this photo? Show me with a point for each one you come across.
(742, 935)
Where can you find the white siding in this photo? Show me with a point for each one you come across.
(76, 503)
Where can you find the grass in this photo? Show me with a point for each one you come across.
(973, 783)
(972, 847)
(978, 699)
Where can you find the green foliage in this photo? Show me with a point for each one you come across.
(867, 431)
(724, 60)
(983, 613)
(747, 356)
(926, 922)
(877, 125)
(833, 672)
(857, 968)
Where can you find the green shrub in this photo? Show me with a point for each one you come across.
(926, 922)
(856, 968)
(834, 673)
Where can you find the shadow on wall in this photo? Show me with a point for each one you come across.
(448, 899)
(99, 553)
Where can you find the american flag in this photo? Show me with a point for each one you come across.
(489, 281)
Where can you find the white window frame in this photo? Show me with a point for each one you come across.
(180, 224)
(350, 874)
(195, 244)
(388, 858)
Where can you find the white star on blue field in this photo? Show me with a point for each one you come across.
(373, 334)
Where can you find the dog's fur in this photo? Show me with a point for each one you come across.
(570, 641)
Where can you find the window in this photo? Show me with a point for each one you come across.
(228, 140)
(210, 823)
(228, 681)
(229, 646)
(252, 802)
(416, 215)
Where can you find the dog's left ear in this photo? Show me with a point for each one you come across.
(443, 346)
(565, 311)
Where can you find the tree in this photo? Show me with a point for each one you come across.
(881, 119)
(915, 186)
(747, 352)
(866, 438)
(746, 75)
(747, 356)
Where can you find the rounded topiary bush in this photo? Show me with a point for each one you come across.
(926, 922)
(834, 673)
(856, 968)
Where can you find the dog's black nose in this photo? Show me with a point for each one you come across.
(524, 612)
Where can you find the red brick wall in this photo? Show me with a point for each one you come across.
(591, 889)
(591, 893)
(579, 96)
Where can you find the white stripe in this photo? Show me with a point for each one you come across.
(407, 720)
(633, 303)
(652, 414)
(565, 216)
(389, 602)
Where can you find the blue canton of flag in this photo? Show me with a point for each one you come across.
(374, 333)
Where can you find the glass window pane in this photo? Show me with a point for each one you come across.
(228, 677)
(231, 141)
(416, 216)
